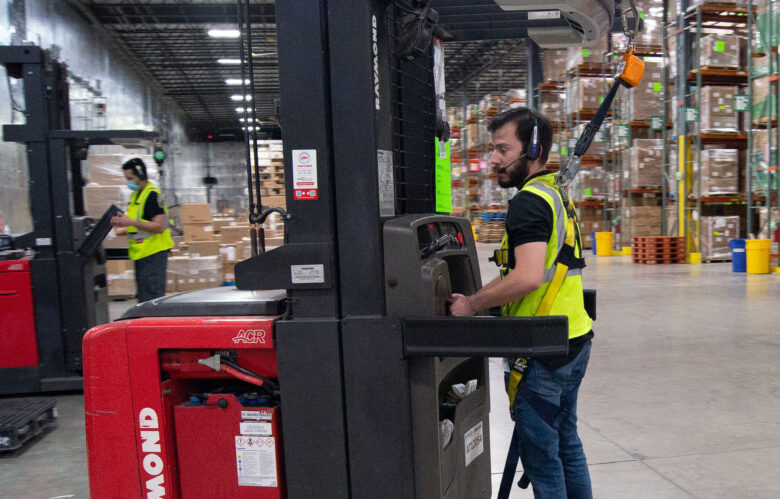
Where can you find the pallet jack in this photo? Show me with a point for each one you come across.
(53, 279)
(325, 372)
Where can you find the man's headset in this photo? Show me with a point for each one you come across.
(137, 166)
(531, 150)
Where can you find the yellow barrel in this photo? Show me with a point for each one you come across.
(603, 243)
(757, 251)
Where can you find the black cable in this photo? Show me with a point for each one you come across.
(252, 205)
(271, 384)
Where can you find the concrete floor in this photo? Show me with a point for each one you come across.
(681, 398)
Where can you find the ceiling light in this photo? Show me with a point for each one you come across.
(224, 33)
(236, 81)
(229, 61)
(238, 97)
(239, 109)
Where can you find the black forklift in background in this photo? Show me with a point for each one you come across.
(54, 285)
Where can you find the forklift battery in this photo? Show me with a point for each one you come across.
(228, 449)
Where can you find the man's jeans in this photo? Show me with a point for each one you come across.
(553, 458)
(150, 276)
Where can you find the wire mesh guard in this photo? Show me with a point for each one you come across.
(413, 123)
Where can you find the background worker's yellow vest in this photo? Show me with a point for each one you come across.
(569, 300)
(142, 244)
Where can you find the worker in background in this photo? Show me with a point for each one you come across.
(146, 225)
(542, 391)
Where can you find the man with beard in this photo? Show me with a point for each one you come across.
(542, 237)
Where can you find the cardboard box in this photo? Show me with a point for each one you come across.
(198, 232)
(170, 282)
(229, 271)
(115, 267)
(203, 248)
(219, 223)
(105, 170)
(98, 198)
(114, 241)
(122, 284)
(274, 201)
(233, 234)
(192, 213)
(646, 99)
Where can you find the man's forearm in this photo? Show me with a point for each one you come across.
(501, 291)
(153, 227)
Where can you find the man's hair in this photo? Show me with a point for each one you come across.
(137, 166)
(524, 119)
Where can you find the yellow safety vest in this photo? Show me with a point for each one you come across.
(142, 244)
(561, 293)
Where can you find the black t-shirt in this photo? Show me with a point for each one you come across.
(530, 219)
(154, 206)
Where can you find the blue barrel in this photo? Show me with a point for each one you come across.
(593, 241)
(738, 257)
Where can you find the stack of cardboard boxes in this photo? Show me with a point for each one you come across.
(270, 166)
(643, 220)
(719, 172)
(720, 51)
(593, 183)
(717, 109)
(645, 164)
(592, 220)
(715, 235)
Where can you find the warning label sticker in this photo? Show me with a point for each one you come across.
(255, 428)
(305, 174)
(384, 160)
(307, 274)
(255, 415)
(474, 442)
(256, 461)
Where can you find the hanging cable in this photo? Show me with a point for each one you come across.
(258, 193)
(244, 103)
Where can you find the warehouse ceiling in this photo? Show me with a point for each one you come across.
(484, 53)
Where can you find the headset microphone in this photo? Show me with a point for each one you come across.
(505, 168)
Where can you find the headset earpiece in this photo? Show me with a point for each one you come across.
(142, 171)
(532, 150)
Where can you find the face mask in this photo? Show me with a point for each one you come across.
(131, 185)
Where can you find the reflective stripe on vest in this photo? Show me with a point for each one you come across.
(141, 243)
(569, 299)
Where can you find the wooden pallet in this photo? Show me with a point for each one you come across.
(724, 67)
(658, 261)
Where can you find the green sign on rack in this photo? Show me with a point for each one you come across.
(622, 130)
(585, 52)
(741, 103)
(656, 122)
(720, 46)
(691, 115)
(564, 151)
(443, 178)
(657, 87)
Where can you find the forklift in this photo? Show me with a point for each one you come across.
(52, 279)
(325, 372)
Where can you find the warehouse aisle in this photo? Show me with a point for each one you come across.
(681, 398)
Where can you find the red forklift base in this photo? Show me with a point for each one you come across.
(145, 440)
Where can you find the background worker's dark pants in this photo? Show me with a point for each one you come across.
(150, 276)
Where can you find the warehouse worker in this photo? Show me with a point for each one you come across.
(543, 391)
(146, 225)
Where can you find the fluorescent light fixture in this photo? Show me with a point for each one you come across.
(224, 33)
(236, 81)
(250, 119)
(239, 109)
(239, 97)
(228, 61)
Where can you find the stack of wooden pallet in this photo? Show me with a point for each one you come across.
(658, 249)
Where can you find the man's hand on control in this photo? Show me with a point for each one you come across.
(460, 306)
